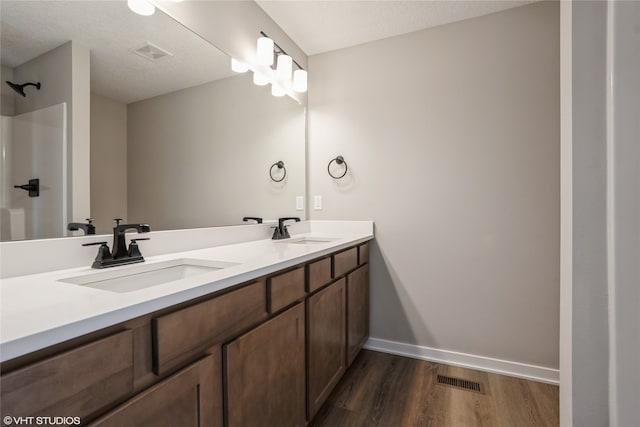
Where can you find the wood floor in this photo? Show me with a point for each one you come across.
(392, 391)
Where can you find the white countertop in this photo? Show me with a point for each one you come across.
(37, 310)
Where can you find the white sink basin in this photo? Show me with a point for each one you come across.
(143, 276)
(308, 240)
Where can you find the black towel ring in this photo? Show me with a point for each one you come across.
(280, 165)
(340, 161)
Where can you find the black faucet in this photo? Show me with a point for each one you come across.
(120, 255)
(119, 242)
(281, 231)
(88, 228)
(254, 218)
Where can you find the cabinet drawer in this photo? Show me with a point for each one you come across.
(345, 261)
(187, 398)
(363, 254)
(319, 273)
(181, 335)
(285, 289)
(77, 383)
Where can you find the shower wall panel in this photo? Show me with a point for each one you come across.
(35, 144)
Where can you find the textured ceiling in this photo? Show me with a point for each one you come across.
(319, 26)
(30, 28)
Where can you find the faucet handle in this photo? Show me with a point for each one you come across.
(117, 221)
(134, 251)
(103, 253)
(94, 244)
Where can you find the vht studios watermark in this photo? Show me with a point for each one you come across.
(40, 421)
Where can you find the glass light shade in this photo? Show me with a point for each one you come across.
(239, 67)
(300, 80)
(141, 7)
(277, 90)
(264, 54)
(260, 79)
(285, 65)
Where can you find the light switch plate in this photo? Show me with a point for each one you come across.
(317, 203)
(299, 203)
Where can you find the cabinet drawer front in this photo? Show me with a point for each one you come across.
(184, 399)
(285, 289)
(181, 335)
(319, 273)
(363, 254)
(77, 383)
(345, 261)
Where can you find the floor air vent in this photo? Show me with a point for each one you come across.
(460, 383)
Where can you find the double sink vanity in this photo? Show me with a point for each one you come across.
(255, 332)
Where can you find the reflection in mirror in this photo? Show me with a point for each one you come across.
(146, 122)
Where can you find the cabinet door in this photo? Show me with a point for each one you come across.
(265, 374)
(357, 311)
(189, 398)
(326, 315)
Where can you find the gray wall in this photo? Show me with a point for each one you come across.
(108, 162)
(589, 306)
(201, 156)
(7, 107)
(627, 213)
(452, 139)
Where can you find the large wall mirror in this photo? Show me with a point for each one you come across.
(137, 118)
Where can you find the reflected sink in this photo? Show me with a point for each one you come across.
(146, 276)
(309, 240)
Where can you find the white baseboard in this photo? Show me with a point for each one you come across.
(481, 363)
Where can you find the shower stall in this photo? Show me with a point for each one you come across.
(34, 146)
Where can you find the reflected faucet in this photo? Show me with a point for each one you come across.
(88, 228)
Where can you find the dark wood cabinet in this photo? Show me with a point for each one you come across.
(80, 382)
(183, 334)
(357, 311)
(264, 353)
(264, 374)
(345, 261)
(285, 289)
(326, 343)
(318, 274)
(188, 398)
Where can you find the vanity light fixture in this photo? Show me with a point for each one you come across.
(260, 79)
(239, 67)
(284, 67)
(282, 77)
(300, 80)
(277, 89)
(264, 52)
(144, 7)
(141, 7)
